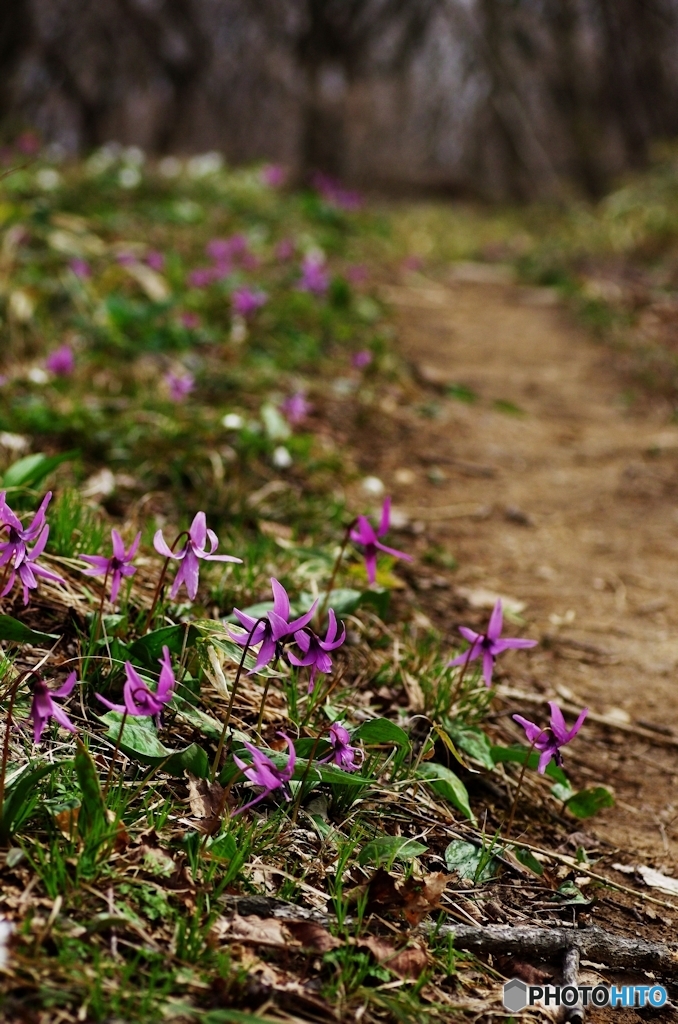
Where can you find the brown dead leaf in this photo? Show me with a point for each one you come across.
(412, 897)
(206, 800)
(406, 963)
(255, 931)
(312, 936)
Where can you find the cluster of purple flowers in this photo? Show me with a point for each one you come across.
(17, 559)
(335, 194)
(225, 254)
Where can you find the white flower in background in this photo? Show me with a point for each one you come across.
(282, 458)
(6, 932)
(170, 167)
(233, 421)
(129, 177)
(204, 164)
(238, 330)
(133, 155)
(47, 179)
(373, 486)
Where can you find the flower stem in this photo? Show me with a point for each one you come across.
(302, 782)
(161, 580)
(100, 614)
(222, 738)
(115, 754)
(335, 570)
(517, 793)
(263, 701)
(461, 677)
(5, 746)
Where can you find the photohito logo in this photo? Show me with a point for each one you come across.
(518, 995)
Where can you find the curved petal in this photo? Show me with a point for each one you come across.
(66, 689)
(304, 619)
(115, 586)
(191, 573)
(114, 707)
(544, 759)
(512, 644)
(39, 545)
(288, 770)
(134, 547)
(496, 622)
(331, 645)
(532, 730)
(266, 653)
(162, 547)
(99, 565)
(118, 545)
(558, 726)
(198, 530)
(323, 662)
(307, 659)
(471, 635)
(385, 517)
(577, 725)
(371, 566)
(62, 718)
(166, 682)
(303, 640)
(363, 532)
(394, 552)
(488, 667)
(281, 602)
(219, 558)
(214, 541)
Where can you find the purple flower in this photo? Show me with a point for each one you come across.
(273, 175)
(263, 773)
(219, 249)
(61, 362)
(365, 535)
(80, 268)
(357, 274)
(139, 700)
(342, 753)
(284, 250)
(191, 321)
(314, 651)
(155, 260)
(296, 408)
(549, 740)
(335, 194)
(201, 277)
(179, 385)
(116, 567)
(126, 259)
(489, 645)
(275, 630)
(246, 302)
(16, 547)
(361, 359)
(43, 707)
(193, 549)
(314, 277)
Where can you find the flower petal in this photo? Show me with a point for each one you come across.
(496, 622)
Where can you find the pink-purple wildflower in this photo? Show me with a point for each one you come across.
(138, 699)
(361, 359)
(43, 706)
(15, 549)
(343, 753)
(201, 277)
(334, 193)
(296, 408)
(550, 739)
(246, 301)
(275, 629)
(118, 566)
(155, 260)
(273, 175)
(191, 321)
(368, 538)
(264, 774)
(314, 276)
(284, 250)
(189, 555)
(80, 268)
(61, 362)
(314, 651)
(179, 386)
(489, 645)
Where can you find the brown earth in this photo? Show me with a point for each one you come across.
(562, 498)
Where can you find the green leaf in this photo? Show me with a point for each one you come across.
(381, 730)
(318, 772)
(470, 861)
(527, 859)
(570, 893)
(518, 754)
(388, 848)
(588, 802)
(92, 818)
(148, 649)
(224, 847)
(21, 797)
(29, 471)
(472, 741)
(446, 784)
(12, 629)
(560, 792)
(207, 725)
(140, 741)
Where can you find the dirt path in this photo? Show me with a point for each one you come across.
(570, 507)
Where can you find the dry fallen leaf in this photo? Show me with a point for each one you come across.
(413, 897)
(206, 800)
(406, 963)
(313, 936)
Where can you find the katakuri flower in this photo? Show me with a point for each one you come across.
(80, 268)
(365, 535)
(263, 773)
(44, 707)
(275, 629)
(296, 408)
(314, 651)
(273, 175)
(16, 550)
(179, 386)
(118, 566)
(314, 277)
(138, 698)
(343, 753)
(188, 556)
(246, 301)
(61, 362)
(550, 739)
(489, 645)
(155, 260)
(362, 359)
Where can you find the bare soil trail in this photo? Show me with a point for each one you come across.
(550, 492)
